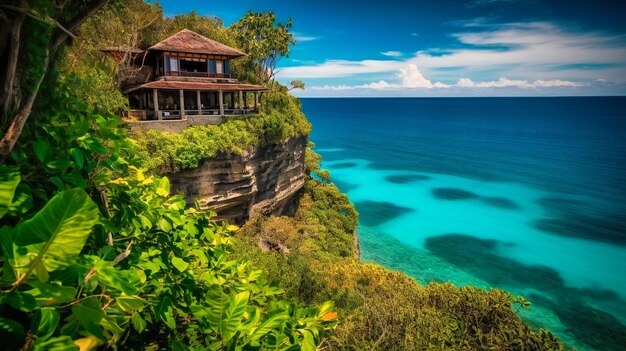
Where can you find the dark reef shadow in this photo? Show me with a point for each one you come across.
(406, 178)
(568, 219)
(500, 202)
(454, 194)
(344, 186)
(374, 213)
(588, 325)
(344, 165)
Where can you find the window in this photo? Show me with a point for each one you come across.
(219, 66)
(173, 64)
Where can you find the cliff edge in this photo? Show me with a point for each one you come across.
(263, 180)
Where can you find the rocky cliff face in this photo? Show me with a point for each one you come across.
(263, 180)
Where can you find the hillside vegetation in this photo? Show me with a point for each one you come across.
(280, 118)
(97, 254)
(311, 255)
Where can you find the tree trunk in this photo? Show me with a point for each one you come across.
(9, 92)
(17, 124)
(85, 8)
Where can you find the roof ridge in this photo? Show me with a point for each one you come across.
(187, 40)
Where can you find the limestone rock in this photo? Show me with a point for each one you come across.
(263, 180)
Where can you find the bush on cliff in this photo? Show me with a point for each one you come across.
(97, 254)
(311, 256)
(279, 119)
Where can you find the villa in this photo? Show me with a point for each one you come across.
(185, 78)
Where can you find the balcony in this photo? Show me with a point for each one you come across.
(196, 74)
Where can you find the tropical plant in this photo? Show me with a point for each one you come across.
(95, 252)
(265, 41)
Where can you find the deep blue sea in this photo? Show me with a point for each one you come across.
(523, 194)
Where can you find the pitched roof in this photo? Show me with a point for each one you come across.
(202, 86)
(189, 41)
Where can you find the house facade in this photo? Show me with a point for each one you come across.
(185, 77)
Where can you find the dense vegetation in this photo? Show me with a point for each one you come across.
(280, 118)
(312, 256)
(97, 254)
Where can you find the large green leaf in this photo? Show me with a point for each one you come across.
(89, 314)
(271, 323)
(164, 311)
(55, 235)
(44, 323)
(60, 343)
(179, 263)
(9, 178)
(231, 317)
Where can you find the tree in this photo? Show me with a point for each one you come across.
(32, 33)
(265, 41)
(296, 84)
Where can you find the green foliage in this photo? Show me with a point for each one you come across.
(96, 88)
(264, 40)
(9, 179)
(296, 84)
(311, 255)
(386, 310)
(95, 252)
(280, 119)
(311, 160)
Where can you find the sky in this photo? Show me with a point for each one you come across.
(444, 47)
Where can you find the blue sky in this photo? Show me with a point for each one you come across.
(445, 47)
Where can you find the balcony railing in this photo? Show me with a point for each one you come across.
(196, 74)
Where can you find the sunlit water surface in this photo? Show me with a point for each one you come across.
(523, 194)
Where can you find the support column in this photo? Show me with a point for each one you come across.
(181, 96)
(245, 100)
(155, 102)
(199, 105)
(256, 100)
(220, 101)
(240, 100)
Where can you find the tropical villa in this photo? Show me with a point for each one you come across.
(186, 77)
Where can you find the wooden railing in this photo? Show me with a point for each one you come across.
(196, 74)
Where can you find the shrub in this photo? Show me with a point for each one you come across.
(94, 252)
(280, 119)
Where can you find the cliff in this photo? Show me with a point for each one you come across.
(263, 180)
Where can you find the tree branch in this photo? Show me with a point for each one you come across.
(58, 39)
(17, 124)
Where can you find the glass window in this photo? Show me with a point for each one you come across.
(219, 66)
(211, 66)
(174, 64)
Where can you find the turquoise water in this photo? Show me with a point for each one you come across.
(523, 194)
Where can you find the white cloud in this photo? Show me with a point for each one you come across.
(340, 68)
(411, 77)
(504, 82)
(300, 37)
(526, 51)
(391, 53)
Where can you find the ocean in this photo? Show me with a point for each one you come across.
(523, 194)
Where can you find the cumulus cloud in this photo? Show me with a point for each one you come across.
(504, 82)
(412, 78)
(531, 50)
